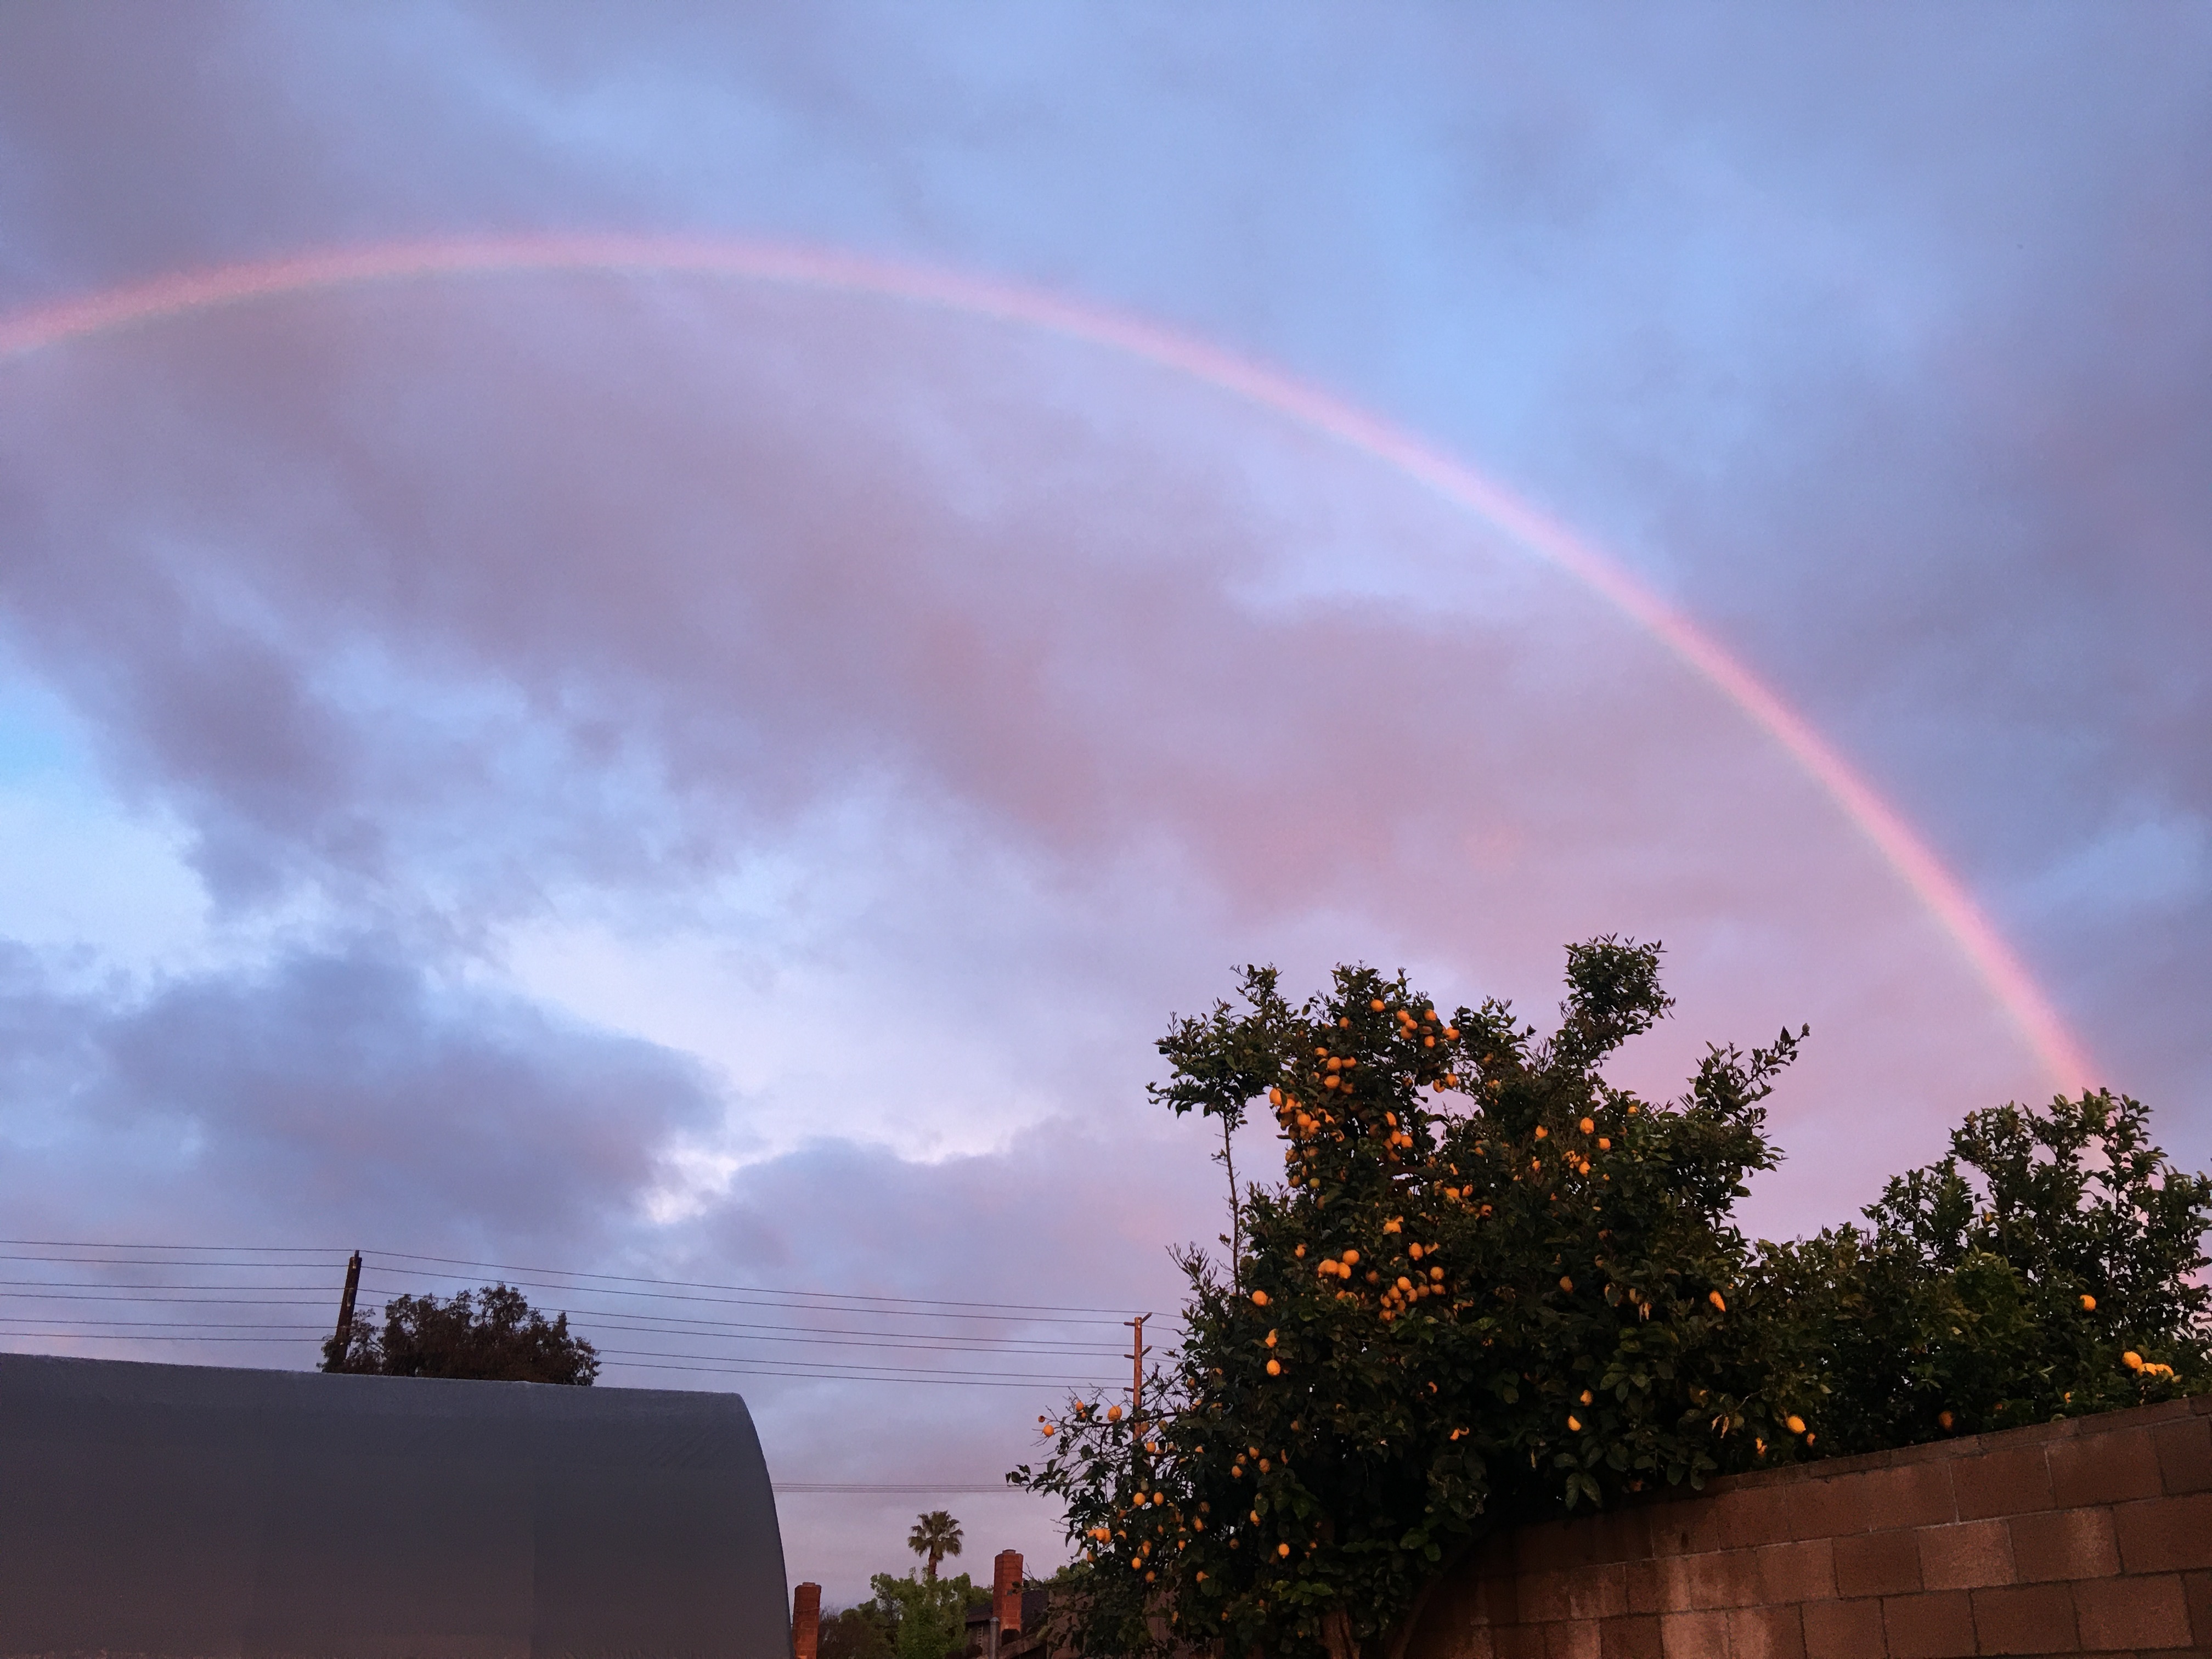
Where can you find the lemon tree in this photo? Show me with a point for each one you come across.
(2050, 1266)
(1492, 1285)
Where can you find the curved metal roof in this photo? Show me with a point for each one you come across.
(191, 1512)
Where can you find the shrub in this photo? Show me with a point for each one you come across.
(2007, 1284)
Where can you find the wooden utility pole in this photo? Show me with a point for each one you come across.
(344, 1338)
(1137, 1375)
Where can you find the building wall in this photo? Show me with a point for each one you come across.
(2088, 1536)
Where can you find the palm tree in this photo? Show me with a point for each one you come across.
(935, 1535)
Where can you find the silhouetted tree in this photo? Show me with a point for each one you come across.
(491, 1335)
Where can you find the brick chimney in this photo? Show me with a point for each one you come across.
(1007, 1591)
(806, 1619)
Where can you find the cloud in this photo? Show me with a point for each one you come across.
(742, 777)
(337, 1093)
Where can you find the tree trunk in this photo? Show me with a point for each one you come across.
(1395, 1647)
(1336, 1636)
(1235, 1216)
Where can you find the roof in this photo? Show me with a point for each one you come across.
(191, 1512)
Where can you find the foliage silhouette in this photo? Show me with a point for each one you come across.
(492, 1335)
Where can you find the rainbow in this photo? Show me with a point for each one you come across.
(184, 292)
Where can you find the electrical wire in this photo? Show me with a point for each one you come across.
(977, 1382)
(952, 1486)
(833, 1337)
(949, 1310)
(986, 1309)
(682, 1284)
(385, 1279)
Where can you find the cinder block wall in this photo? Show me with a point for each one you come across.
(2092, 1535)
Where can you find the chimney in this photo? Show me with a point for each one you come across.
(1007, 1591)
(806, 1620)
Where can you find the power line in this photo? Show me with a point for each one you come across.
(913, 1311)
(911, 1370)
(689, 1284)
(641, 1324)
(156, 1261)
(70, 1291)
(936, 1304)
(398, 1273)
(103, 1336)
(95, 1291)
(189, 1330)
(864, 1340)
(652, 1360)
(83, 1286)
(154, 1324)
(226, 1249)
(952, 1486)
(978, 1380)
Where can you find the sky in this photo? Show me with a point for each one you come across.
(716, 776)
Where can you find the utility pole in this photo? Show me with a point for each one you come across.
(344, 1338)
(1136, 1376)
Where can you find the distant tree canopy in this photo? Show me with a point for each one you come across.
(1494, 1287)
(862, 1632)
(909, 1618)
(492, 1335)
(921, 1616)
